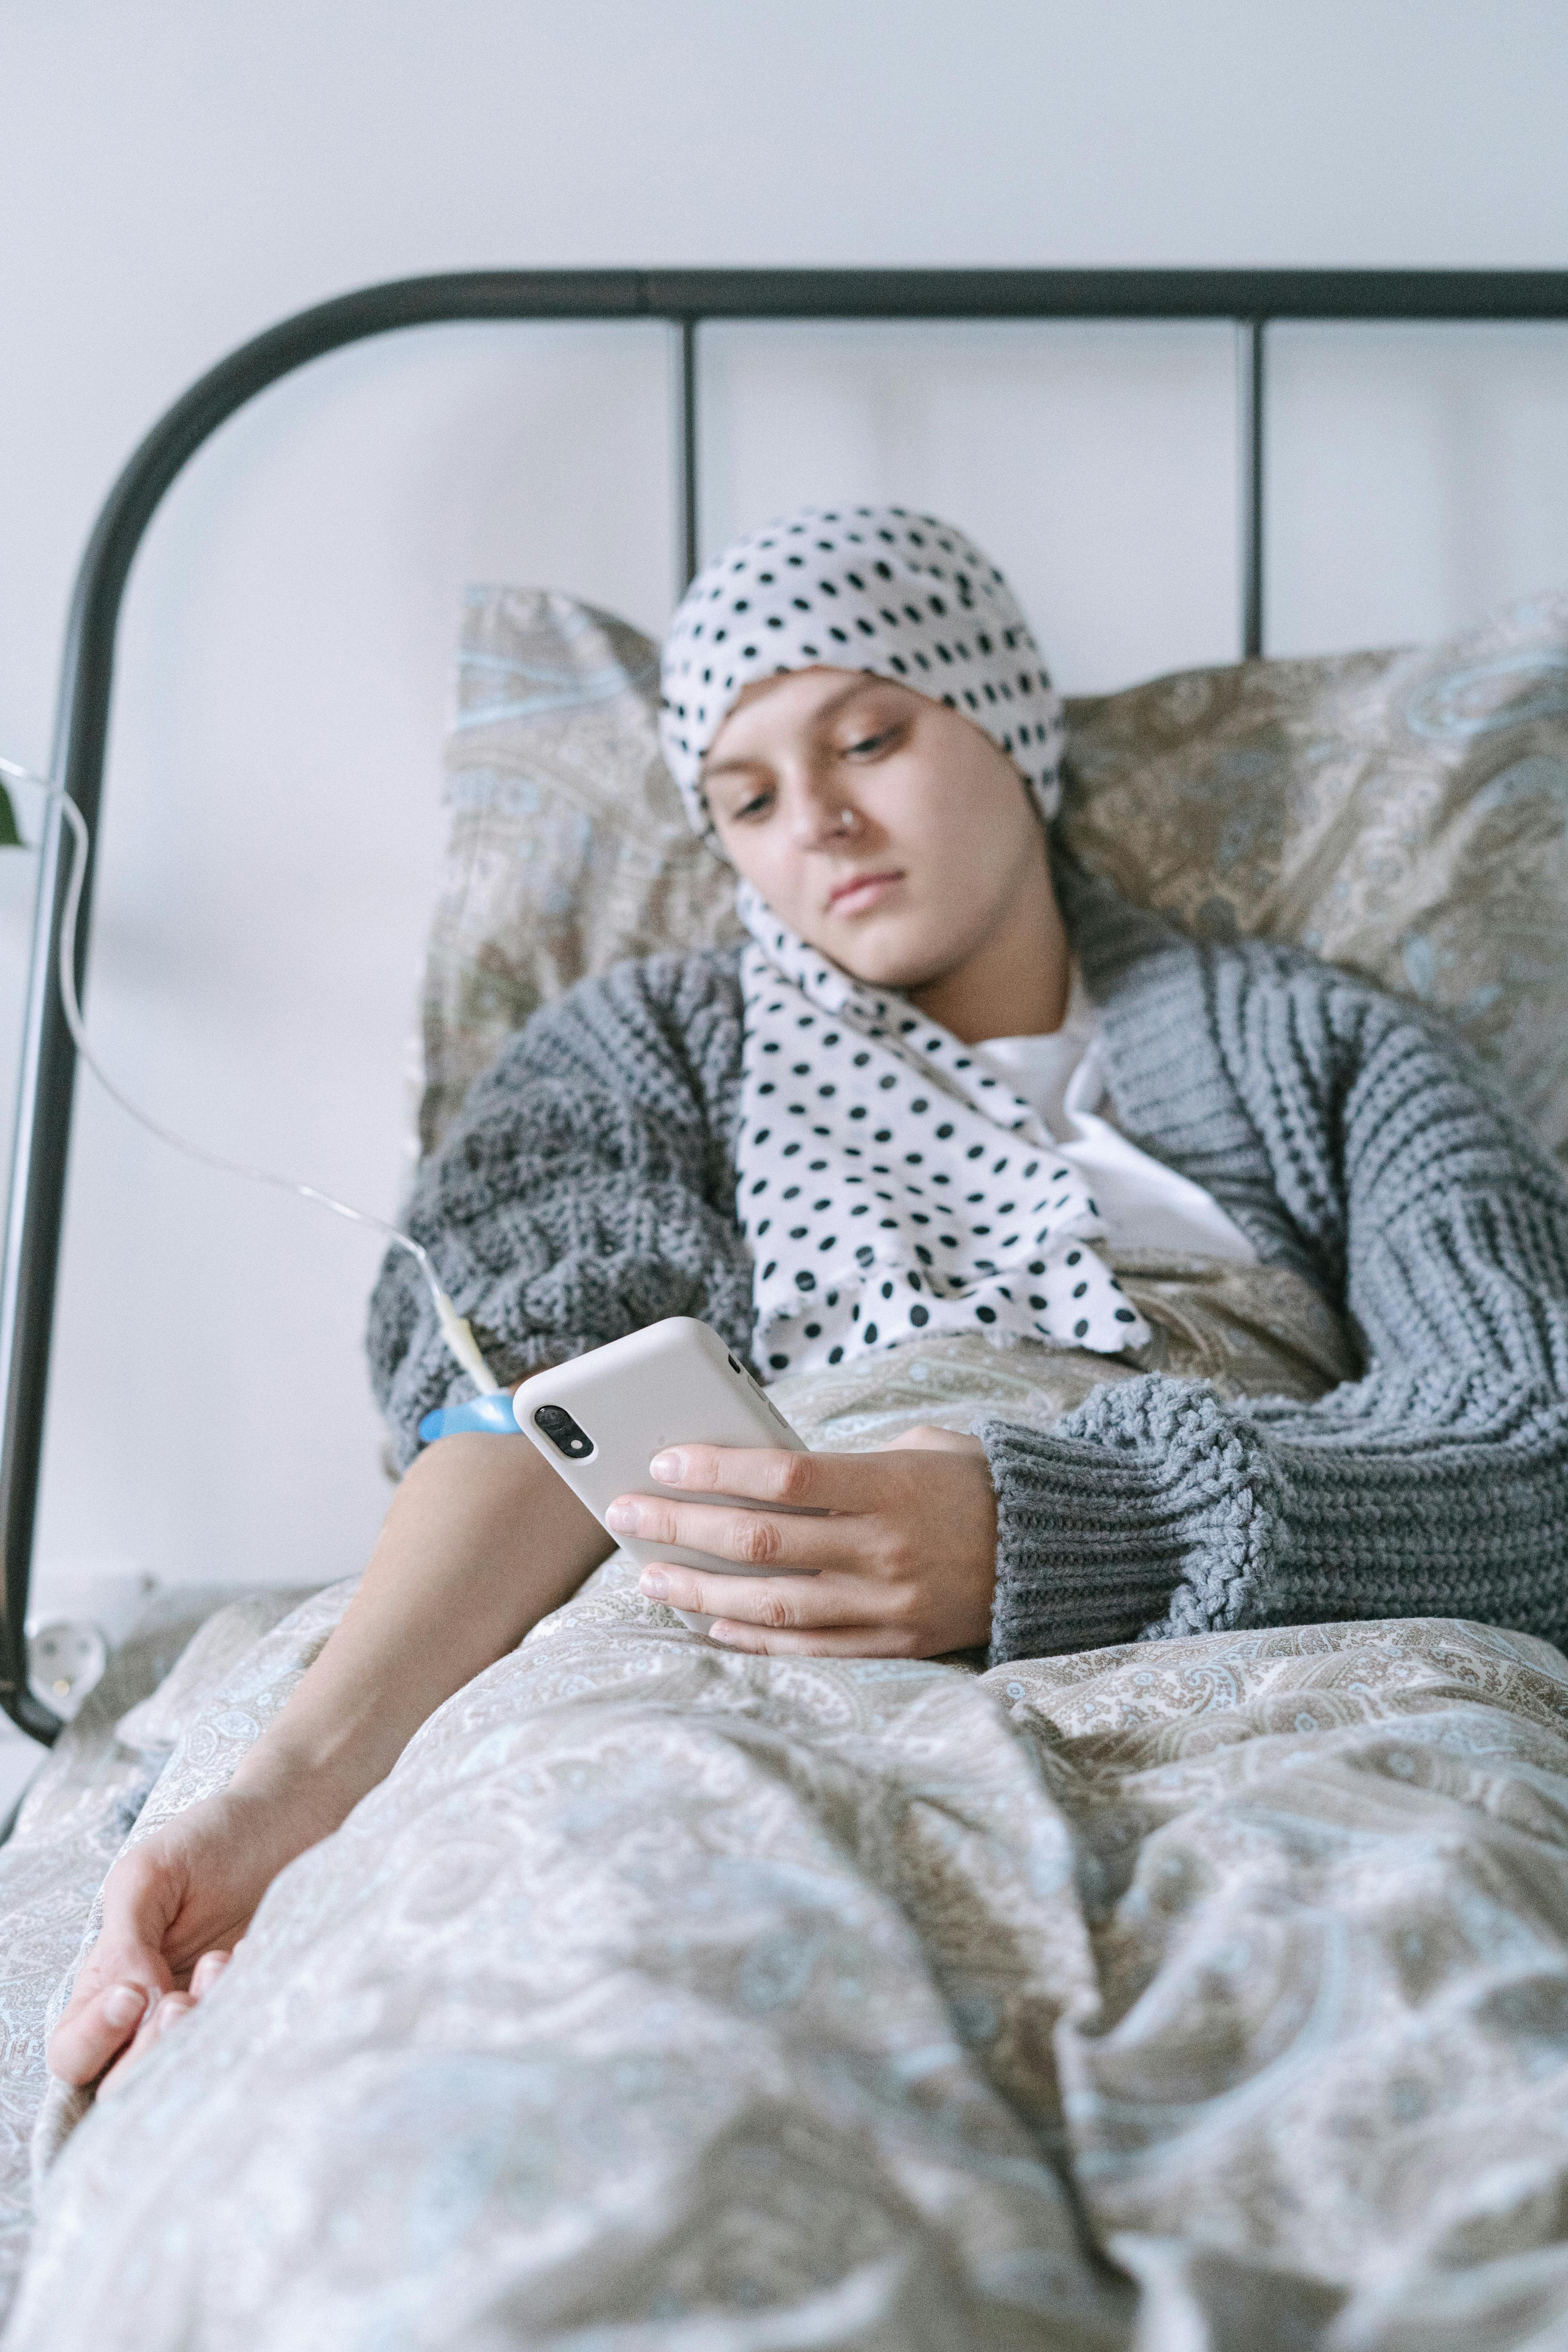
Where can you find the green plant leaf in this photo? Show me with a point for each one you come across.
(10, 838)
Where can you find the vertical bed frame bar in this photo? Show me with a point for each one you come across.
(1250, 438)
(686, 448)
(684, 298)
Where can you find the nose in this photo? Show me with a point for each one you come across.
(822, 817)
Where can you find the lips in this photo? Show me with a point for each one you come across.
(859, 892)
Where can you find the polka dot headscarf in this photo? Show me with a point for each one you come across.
(902, 596)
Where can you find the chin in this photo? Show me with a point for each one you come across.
(884, 961)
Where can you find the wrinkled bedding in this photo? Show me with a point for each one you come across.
(1200, 1993)
(73, 1820)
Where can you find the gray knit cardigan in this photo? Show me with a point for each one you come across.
(589, 1189)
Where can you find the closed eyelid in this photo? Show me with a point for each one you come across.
(870, 738)
(739, 769)
(742, 801)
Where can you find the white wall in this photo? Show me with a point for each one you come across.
(177, 173)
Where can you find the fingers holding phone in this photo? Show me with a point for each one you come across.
(890, 1554)
(602, 1418)
(681, 1456)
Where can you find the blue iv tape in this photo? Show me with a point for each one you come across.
(491, 1414)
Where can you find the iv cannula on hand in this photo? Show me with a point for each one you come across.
(454, 1330)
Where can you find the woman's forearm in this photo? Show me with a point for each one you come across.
(481, 1542)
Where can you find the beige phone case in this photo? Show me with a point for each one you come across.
(673, 1383)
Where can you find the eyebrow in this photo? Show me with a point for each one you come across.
(835, 703)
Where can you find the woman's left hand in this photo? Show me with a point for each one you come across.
(901, 1563)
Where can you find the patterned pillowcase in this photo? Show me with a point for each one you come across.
(569, 848)
(1403, 813)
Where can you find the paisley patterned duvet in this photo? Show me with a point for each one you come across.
(1206, 1993)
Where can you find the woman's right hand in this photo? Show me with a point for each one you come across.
(189, 1889)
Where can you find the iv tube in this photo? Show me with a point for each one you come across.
(454, 1330)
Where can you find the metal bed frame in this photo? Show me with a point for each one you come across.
(685, 299)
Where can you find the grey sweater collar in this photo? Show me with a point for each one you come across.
(1177, 1090)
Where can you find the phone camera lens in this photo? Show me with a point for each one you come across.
(565, 1434)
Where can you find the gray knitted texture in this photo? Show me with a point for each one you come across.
(589, 1190)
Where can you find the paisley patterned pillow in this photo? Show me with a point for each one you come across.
(569, 849)
(1405, 814)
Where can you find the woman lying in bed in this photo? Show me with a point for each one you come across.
(945, 1082)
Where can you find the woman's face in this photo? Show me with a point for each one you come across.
(885, 828)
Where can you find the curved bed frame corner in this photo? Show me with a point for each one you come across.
(684, 299)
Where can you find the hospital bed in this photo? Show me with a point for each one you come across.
(1251, 301)
(686, 299)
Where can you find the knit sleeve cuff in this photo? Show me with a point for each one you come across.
(1147, 1511)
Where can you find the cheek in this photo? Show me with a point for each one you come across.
(950, 832)
(766, 860)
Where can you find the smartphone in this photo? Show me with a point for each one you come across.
(600, 1420)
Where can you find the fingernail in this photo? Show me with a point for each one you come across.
(670, 1469)
(168, 2011)
(622, 1517)
(124, 2005)
(653, 1583)
(717, 1633)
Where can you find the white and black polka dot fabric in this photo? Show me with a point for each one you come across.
(902, 596)
(889, 1188)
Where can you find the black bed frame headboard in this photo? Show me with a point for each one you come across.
(685, 299)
